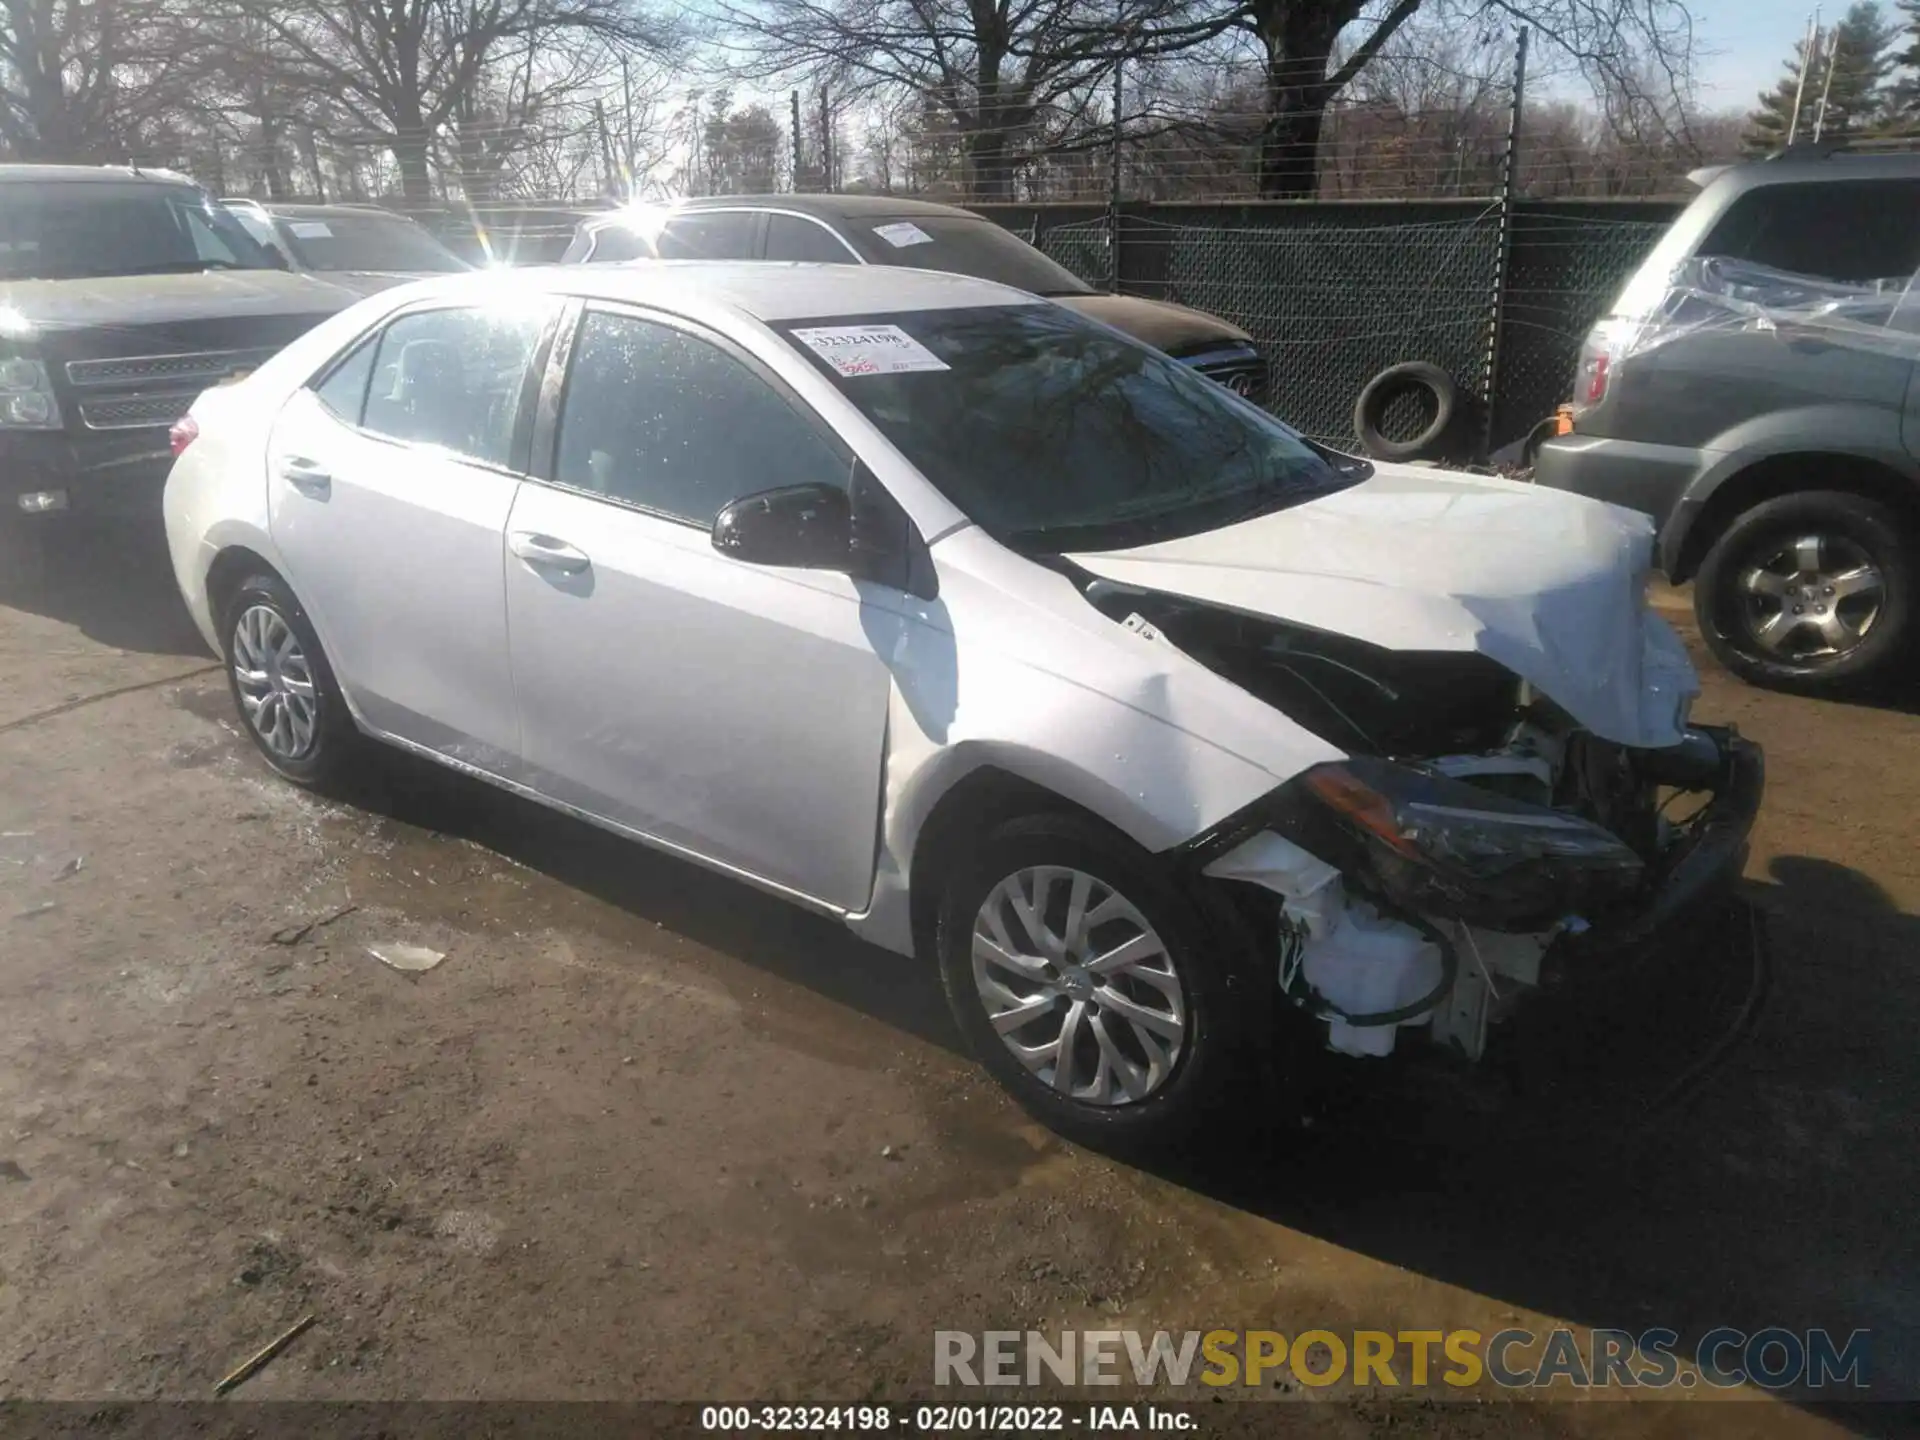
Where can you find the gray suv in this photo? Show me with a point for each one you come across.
(1753, 389)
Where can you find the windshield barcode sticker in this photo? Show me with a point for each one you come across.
(903, 233)
(869, 349)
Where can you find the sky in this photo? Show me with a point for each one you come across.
(1742, 45)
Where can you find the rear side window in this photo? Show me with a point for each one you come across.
(1845, 230)
(612, 244)
(718, 235)
(344, 391)
(791, 238)
(453, 379)
(672, 423)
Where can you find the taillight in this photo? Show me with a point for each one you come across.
(1596, 373)
(1597, 369)
(185, 431)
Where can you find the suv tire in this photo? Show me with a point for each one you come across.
(1188, 970)
(1767, 598)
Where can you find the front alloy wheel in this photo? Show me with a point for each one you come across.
(1078, 985)
(1121, 1002)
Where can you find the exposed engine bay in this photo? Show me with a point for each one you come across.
(1476, 826)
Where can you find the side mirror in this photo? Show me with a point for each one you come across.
(805, 527)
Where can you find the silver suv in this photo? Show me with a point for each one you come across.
(1753, 390)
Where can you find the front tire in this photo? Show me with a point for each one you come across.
(1811, 592)
(1093, 990)
(282, 685)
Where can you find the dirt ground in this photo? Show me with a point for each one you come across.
(645, 1134)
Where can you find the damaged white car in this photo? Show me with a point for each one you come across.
(943, 610)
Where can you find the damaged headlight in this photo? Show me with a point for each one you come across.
(1443, 847)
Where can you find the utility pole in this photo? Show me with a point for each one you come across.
(1113, 178)
(1826, 86)
(1503, 253)
(626, 127)
(793, 99)
(609, 184)
(826, 140)
(1809, 48)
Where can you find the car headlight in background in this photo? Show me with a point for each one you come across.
(26, 395)
(1446, 848)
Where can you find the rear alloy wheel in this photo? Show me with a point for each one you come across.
(1094, 989)
(282, 685)
(1809, 592)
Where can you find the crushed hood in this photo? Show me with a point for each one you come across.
(1550, 585)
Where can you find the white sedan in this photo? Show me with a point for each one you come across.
(1174, 738)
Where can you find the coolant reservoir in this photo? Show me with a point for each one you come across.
(1370, 964)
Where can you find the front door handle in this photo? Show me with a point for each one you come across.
(309, 477)
(547, 552)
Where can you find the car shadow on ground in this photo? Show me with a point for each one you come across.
(113, 583)
(1710, 1136)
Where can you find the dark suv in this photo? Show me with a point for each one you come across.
(1754, 390)
(123, 295)
(886, 230)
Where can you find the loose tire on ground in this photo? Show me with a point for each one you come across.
(1850, 526)
(1369, 412)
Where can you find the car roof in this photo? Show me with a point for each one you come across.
(822, 207)
(87, 174)
(1819, 165)
(769, 291)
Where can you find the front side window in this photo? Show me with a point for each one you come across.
(78, 229)
(1854, 230)
(453, 379)
(1053, 433)
(670, 422)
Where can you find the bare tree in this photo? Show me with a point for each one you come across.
(998, 70)
(1311, 52)
(83, 78)
(401, 73)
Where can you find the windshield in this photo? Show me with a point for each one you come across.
(70, 230)
(365, 242)
(961, 245)
(1053, 433)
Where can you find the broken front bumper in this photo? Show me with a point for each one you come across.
(1711, 852)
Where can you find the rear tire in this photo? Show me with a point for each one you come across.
(1161, 1047)
(1812, 592)
(283, 688)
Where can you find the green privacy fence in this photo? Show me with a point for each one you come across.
(1334, 292)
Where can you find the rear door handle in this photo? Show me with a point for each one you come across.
(309, 477)
(547, 552)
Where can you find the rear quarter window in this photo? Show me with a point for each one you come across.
(1841, 230)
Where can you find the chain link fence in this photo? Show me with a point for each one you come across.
(1335, 293)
